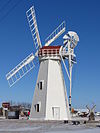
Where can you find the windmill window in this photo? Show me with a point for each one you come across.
(40, 85)
(36, 107)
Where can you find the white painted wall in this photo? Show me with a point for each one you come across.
(53, 93)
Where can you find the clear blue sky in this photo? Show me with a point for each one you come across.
(16, 43)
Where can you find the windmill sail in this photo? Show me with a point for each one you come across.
(20, 70)
(55, 34)
(33, 27)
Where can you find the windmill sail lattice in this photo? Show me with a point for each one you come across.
(33, 27)
(20, 70)
(55, 34)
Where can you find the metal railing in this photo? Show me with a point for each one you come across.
(48, 52)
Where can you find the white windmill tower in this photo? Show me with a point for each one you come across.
(50, 100)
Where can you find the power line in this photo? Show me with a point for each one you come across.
(9, 11)
(4, 6)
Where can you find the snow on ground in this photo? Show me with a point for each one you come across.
(96, 130)
(27, 126)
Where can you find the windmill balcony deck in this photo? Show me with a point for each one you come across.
(53, 52)
(49, 52)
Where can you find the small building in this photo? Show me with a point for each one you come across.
(5, 106)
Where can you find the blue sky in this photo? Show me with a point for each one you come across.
(16, 43)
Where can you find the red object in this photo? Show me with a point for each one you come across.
(50, 47)
(49, 50)
(6, 104)
(28, 113)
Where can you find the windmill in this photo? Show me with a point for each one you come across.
(91, 112)
(50, 101)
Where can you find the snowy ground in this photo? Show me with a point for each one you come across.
(27, 126)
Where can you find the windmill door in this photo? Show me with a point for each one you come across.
(56, 113)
